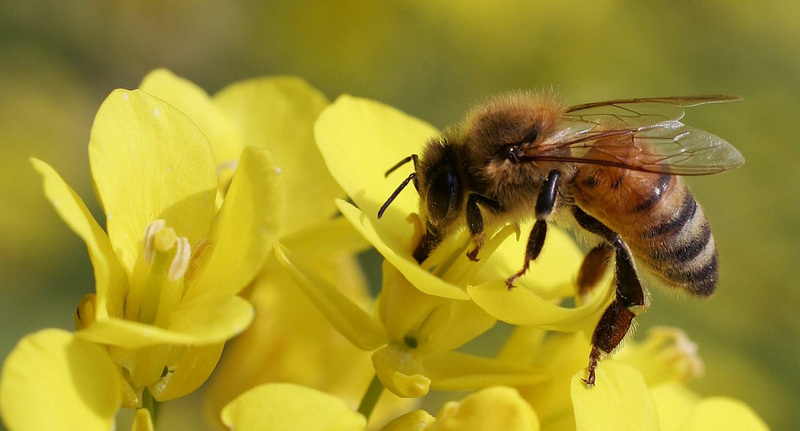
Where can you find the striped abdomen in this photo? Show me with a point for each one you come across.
(657, 216)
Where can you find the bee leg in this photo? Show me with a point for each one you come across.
(475, 221)
(532, 250)
(617, 319)
(544, 206)
(593, 267)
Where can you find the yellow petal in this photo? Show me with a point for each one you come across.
(278, 114)
(417, 420)
(400, 371)
(722, 413)
(142, 421)
(52, 380)
(243, 233)
(149, 161)
(391, 242)
(521, 306)
(190, 371)
(666, 355)
(561, 355)
(373, 137)
(618, 401)
(674, 403)
(111, 282)
(350, 320)
(334, 237)
(456, 371)
(495, 408)
(288, 407)
(193, 323)
(197, 105)
(428, 324)
(551, 275)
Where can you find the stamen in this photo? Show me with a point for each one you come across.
(181, 260)
(149, 238)
(198, 251)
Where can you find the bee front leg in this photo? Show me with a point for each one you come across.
(545, 203)
(618, 317)
(475, 221)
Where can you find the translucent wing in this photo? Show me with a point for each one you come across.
(639, 134)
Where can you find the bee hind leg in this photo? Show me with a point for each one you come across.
(618, 317)
(594, 265)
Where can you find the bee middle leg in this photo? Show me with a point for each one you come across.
(618, 317)
(545, 202)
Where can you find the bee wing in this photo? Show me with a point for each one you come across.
(638, 134)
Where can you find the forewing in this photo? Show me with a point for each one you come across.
(639, 134)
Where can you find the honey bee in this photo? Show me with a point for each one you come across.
(609, 169)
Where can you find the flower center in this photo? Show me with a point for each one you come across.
(449, 259)
(168, 257)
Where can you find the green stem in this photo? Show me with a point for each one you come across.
(150, 403)
(371, 397)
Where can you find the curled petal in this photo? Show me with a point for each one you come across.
(521, 306)
(246, 227)
(394, 246)
(288, 407)
(346, 316)
(191, 369)
(111, 281)
(193, 323)
(400, 371)
(456, 371)
(53, 380)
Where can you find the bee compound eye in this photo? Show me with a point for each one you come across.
(444, 196)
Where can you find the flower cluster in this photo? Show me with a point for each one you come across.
(226, 216)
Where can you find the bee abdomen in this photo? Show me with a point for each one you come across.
(679, 248)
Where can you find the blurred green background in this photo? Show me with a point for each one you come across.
(58, 61)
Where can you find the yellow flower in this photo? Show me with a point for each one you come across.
(169, 268)
(425, 313)
(289, 340)
(360, 140)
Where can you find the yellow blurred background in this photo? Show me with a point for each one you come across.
(58, 61)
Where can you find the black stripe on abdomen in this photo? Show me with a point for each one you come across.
(674, 224)
(658, 192)
(686, 250)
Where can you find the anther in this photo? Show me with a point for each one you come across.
(149, 252)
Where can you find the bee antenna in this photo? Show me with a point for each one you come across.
(397, 191)
(401, 163)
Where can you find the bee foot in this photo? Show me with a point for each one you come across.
(473, 254)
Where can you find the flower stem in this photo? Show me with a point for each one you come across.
(150, 403)
(371, 397)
